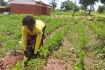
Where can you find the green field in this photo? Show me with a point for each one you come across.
(77, 40)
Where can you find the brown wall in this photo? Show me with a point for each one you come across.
(2, 10)
(29, 9)
(44, 10)
(48, 11)
(22, 8)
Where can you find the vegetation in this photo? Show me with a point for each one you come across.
(53, 4)
(87, 38)
(101, 9)
(87, 3)
(102, 1)
(67, 5)
(69, 13)
(3, 3)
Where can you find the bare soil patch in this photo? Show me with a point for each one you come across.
(10, 61)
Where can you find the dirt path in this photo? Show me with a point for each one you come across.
(54, 62)
(91, 58)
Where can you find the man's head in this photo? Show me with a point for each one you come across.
(29, 21)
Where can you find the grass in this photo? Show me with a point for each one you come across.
(56, 12)
(96, 14)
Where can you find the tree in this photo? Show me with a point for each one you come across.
(82, 7)
(74, 9)
(67, 5)
(102, 1)
(3, 3)
(101, 9)
(53, 4)
(84, 3)
(87, 3)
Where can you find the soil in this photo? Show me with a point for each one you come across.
(58, 64)
(54, 63)
(10, 61)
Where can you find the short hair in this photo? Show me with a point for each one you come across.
(28, 20)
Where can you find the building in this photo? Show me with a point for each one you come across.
(29, 7)
(4, 9)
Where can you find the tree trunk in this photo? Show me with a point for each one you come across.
(74, 12)
(90, 9)
(85, 9)
(74, 9)
(89, 12)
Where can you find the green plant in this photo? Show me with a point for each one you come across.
(19, 65)
(43, 52)
(11, 44)
(79, 65)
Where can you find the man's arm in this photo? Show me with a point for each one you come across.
(38, 41)
(24, 38)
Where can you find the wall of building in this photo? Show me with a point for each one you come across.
(4, 10)
(29, 9)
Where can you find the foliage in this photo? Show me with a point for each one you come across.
(68, 12)
(82, 7)
(74, 29)
(79, 65)
(43, 52)
(11, 44)
(87, 3)
(53, 4)
(67, 5)
(54, 41)
(36, 64)
(101, 9)
(84, 3)
(102, 1)
(83, 38)
(3, 3)
(77, 8)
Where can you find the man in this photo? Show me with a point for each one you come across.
(32, 36)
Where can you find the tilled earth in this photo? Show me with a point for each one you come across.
(10, 61)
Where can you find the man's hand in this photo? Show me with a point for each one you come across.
(35, 52)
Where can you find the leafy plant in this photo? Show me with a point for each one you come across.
(43, 52)
(11, 44)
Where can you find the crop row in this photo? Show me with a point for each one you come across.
(51, 43)
(10, 30)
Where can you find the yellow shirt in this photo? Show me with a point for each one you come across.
(36, 31)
